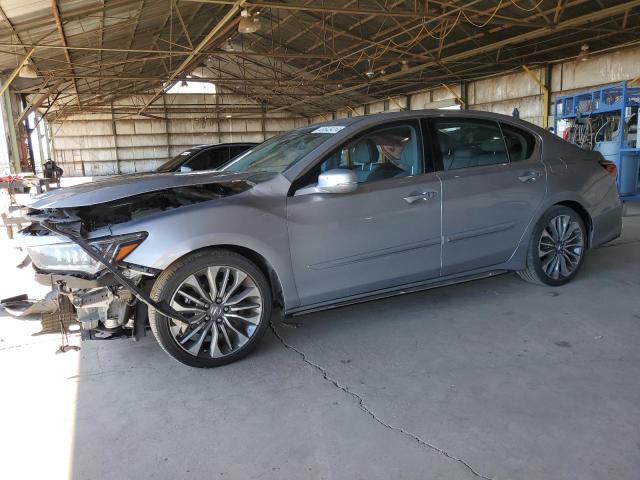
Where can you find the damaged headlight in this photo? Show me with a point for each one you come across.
(70, 257)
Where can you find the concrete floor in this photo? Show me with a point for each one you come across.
(495, 378)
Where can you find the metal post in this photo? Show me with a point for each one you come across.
(166, 125)
(38, 165)
(115, 140)
(545, 95)
(12, 141)
(546, 98)
(464, 94)
(27, 128)
(264, 122)
(47, 143)
(621, 134)
(218, 115)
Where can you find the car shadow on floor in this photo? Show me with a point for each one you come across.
(517, 380)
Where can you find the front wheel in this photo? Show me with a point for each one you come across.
(228, 301)
(556, 249)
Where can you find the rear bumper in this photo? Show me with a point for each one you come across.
(607, 226)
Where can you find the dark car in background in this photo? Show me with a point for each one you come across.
(204, 157)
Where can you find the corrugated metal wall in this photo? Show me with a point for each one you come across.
(97, 144)
(503, 93)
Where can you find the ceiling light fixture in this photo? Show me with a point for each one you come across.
(248, 23)
(229, 46)
(583, 56)
(27, 71)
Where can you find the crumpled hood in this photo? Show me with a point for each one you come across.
(114, 188)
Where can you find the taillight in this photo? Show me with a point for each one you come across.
(610, 167)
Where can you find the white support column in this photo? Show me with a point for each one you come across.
(9, 154)
(5, 168)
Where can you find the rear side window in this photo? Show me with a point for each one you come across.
(519, 143)
(468, 142)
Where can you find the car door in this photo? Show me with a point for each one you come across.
(385, 233)
(493, 181)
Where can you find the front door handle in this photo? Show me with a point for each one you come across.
(529, 176)
(420, 196)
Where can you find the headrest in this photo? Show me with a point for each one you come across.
(408, 157)
(364, 152)
(493, 145)
(445, 143)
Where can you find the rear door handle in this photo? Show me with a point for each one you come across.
(529, 176)
(420, 196)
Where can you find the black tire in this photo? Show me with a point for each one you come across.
(172, 278)
(534, 272)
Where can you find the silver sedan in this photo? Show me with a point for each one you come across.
(323, 216)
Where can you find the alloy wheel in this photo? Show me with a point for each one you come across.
(224, 306)
(561, 247)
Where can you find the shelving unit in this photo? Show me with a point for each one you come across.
(619, 100)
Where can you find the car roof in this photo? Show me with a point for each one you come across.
(229, 144)
(376, 118)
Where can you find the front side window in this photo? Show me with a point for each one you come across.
(519, 143)
(466, 143)
(379, 154)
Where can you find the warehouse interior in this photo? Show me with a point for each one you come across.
(490, 379)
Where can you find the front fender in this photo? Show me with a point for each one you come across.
(174, 234)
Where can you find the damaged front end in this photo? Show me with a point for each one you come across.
(73, 250)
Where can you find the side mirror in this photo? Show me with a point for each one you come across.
(337, 180)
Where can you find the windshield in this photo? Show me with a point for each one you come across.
(176, 161)
(279, 153)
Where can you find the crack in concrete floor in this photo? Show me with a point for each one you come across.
(371, 413)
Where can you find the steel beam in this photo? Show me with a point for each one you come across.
(534, 34)
(15, 72)
(39, 101)
(453, 92)
(321, 9)
(180, 53)
(56, 16)
(221, 25)
(26, 49)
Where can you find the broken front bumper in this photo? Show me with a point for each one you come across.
(75, 282)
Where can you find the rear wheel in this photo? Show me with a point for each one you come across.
(225, 297)
(557, 248)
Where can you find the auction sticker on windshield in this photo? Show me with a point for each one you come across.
(333, 129)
